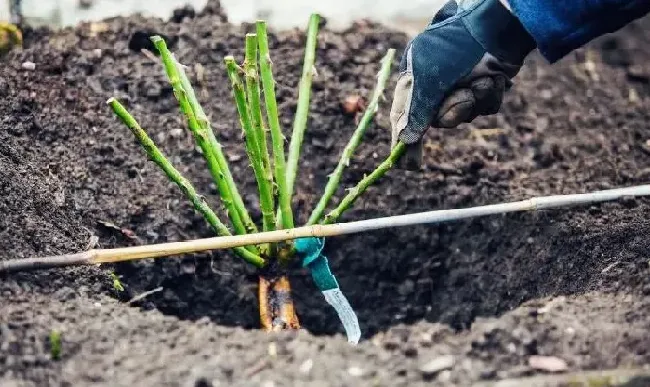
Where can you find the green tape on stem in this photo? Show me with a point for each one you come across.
(310, 250)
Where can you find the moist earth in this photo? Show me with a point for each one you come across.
(452, 304)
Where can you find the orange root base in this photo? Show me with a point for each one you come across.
(276, 305)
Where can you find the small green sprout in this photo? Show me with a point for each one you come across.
(117, 284)
(55, 345)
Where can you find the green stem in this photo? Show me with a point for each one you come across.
(175, 176)
(355, 140)
(239, 94)
(264, 175)
(302, 110)
(366, 182)
(204, 123)
(285, 220)
(201, 136)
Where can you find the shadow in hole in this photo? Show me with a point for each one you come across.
(449, 273)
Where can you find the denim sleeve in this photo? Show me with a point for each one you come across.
(561, 26)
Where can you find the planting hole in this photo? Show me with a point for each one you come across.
(450, 273)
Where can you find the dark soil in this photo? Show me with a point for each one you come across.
(492, 291)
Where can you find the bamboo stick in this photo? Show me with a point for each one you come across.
(319, 230)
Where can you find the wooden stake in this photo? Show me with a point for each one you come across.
(318, 230)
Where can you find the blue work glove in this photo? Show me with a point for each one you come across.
(456, 70)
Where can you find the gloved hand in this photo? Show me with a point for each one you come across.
(457, 69)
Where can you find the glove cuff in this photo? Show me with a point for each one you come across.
(499, 31)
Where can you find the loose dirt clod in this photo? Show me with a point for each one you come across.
(30, 66)
(434, 366)
(547, 363)
(353, 104)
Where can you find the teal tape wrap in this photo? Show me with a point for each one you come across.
(322, 275)
(310, 251)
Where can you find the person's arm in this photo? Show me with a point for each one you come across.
(559, 27)
(460, 66)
